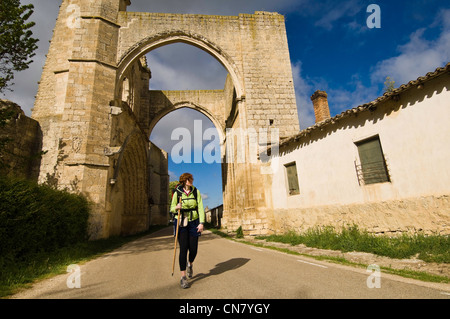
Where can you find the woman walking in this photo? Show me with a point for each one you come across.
(190, 220)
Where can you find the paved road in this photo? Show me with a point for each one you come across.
(223, 269)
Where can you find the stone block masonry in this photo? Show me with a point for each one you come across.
(97, 114)
(21, 144)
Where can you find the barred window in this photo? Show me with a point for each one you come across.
(372, 167)
(292, 178)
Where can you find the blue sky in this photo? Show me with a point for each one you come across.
(331, 49)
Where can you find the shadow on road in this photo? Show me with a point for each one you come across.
(160, 240)
(220, 268)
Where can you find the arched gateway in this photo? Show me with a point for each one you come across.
(97, 113)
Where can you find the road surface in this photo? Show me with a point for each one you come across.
(223, 269)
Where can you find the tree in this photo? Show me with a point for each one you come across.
(16, 43)
(389, 85)
(172, 186)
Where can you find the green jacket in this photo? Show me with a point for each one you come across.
(189, 202)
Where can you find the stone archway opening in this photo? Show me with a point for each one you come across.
(203, 133)
(193, 145)
(192, 121)
(134, 76)
(182, 66)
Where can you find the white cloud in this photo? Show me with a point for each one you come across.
(184, 67)
(338, 11)
(172, 176)
(357, 94)
(418, 56)
(303, 91)
(339, 99)
(204, 196)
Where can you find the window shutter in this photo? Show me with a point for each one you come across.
(291, 171)
(373, 165)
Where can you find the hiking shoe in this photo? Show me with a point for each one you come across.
(190, 270)
(184, 283)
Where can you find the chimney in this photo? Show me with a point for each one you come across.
(320, 102)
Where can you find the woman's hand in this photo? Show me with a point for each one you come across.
(178, 206)
(199, 228)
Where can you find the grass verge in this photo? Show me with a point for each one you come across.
(21, 274)
(427, 248)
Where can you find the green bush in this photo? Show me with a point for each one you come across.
(36, 219)
(239, 232)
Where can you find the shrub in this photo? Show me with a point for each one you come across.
(36, 219)
(239, 232)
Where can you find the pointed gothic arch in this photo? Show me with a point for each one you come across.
(130, 211)
(155, 41)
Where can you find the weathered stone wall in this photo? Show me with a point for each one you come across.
(138, 187)
(135, 91)
(85, 129)
(22, 136)
(254, 50)
(93, 98)
(269, 90)
(159, 185)
(129, 175)
(73, 101)
(428, 214)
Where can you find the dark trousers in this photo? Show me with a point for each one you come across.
(188, 240)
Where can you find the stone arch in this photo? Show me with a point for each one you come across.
(155, 41)
(130, 211)
(186, 104)
(80, 92)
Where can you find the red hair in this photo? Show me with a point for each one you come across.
(184, 177)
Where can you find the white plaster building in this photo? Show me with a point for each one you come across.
(383, 165)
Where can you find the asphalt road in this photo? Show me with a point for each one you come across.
(223, 269)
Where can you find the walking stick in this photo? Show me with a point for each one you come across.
(176, 239)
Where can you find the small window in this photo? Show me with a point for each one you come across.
(372, 167)
(292, 177)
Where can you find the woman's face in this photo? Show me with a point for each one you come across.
(189, 182)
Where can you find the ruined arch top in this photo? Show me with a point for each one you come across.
(155, 41)
(253, 48)
(141, 32)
